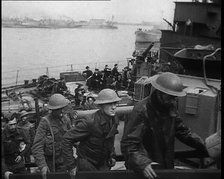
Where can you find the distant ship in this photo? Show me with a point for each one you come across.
(44, 23)
(51, 23)
(97, 24)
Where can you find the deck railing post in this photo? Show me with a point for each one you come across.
(17, 76)
(71, 67)
(47, 72)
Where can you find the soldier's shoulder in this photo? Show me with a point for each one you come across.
(141, 105)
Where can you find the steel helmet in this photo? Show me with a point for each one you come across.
(57, 101)
(24, 113)
(169, 83)
(107, 96)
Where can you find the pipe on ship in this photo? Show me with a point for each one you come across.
(120, 110)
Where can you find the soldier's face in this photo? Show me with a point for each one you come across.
(110, 108)
(166, 99)
(90, 101)
(24, 119)
(12, 125)
(58, 113)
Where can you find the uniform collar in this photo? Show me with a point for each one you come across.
(104, 118)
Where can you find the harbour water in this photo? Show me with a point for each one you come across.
(27, 52)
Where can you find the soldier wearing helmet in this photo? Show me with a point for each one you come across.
(87, 73)
(46, 147)
(96, 133)
(28, 129)
(12, 142)
(154, 123)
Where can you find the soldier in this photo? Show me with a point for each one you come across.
(15, 147)
(25, 104)
(3, 121)
(115, 72)
(154, 123)
(87, 73)
(79, 95)
(60, 86)
(97, 80)
(50, 130)
(106, 72)
(96, 134)
(106, 75)
(89, 104)
(28, 129)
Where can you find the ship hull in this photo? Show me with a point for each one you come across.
(173, 39)
(145, 36)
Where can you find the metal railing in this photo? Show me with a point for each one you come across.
(17, 77)
(121, 174)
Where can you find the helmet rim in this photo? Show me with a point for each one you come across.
(56, 107)
(62, 104)
(107, 101)
(165, 90)
(102, 97)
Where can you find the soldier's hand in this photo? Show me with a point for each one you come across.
(7, 173)
(73, 171)
(149, 172)
(44, 171)
(18, 159)
(111, 162)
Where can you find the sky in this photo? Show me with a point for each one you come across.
(122, 10)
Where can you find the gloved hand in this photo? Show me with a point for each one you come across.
(7, 173)
(73, 171)
(111, 162)
(44, 171)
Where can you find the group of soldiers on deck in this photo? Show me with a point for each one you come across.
(108, 78)
(62, 142)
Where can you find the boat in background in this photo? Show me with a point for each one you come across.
(97, 24)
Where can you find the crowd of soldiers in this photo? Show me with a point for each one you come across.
(109, 78)
(63, 143)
